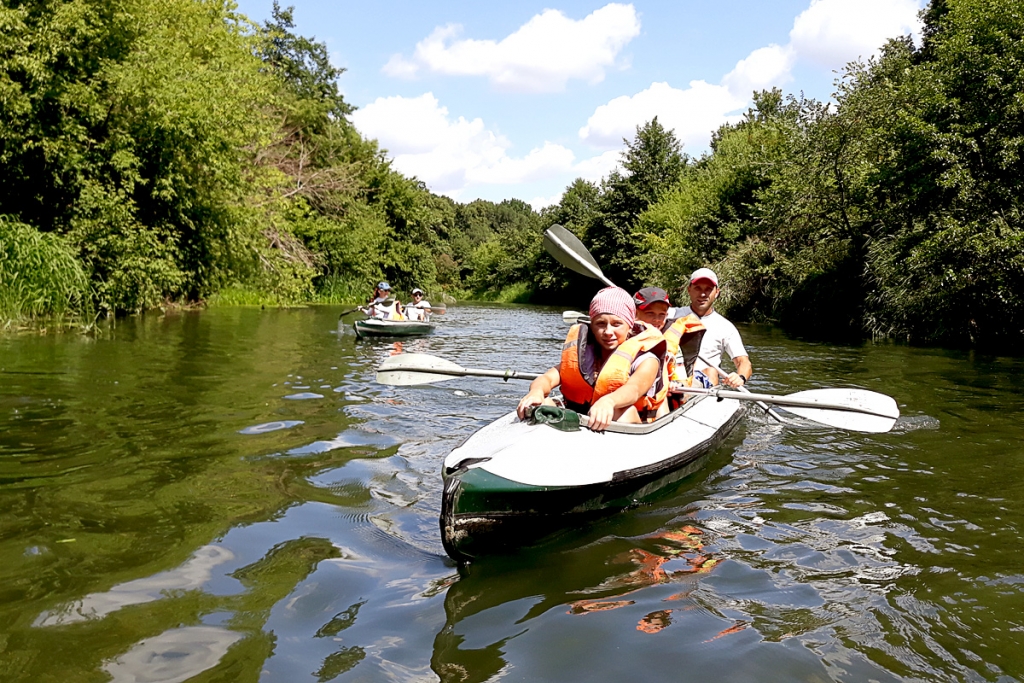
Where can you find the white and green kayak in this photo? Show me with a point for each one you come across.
(374, 327)
(513, 481)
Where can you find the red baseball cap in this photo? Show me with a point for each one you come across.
(650, 295)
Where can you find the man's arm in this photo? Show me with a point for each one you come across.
(744, 368)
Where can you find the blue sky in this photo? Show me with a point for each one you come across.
(502, 100)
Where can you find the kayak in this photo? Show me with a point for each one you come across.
(373, 327)
(513, 481)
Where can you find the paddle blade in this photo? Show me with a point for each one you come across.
(566, 248)
(438, 309)
(853, 398)
(573, 317)
(407, 369)
(344, 313)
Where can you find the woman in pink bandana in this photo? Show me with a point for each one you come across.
(595, 380)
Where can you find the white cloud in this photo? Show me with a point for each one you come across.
(763, 68)
(539, 203)
(596, 168)
(834, 32)
(539, 163)
(449, 154)
(829, 33)
(692, 113)
(541, 56)
(459, 156)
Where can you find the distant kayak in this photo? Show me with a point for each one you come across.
(372, 327)
(513, 480)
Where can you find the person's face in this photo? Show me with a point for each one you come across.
(653, 314)
(609, 331)
(702, 296)
(416, 296)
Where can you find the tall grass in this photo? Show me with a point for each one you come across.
(516, 293)
(40, 275)
(338, 289)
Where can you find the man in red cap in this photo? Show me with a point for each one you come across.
(721, 336)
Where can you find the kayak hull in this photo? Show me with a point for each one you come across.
(513, 482)
(372, 327)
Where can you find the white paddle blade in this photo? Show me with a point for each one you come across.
(854, 398)
(567, 249)
(573, 317)
(408, 369)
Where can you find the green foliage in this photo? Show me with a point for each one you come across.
(171, 151)
(652, 163)
(955, 282)
(303, 65)
(577, 210)
(128, 127)
(510, 256)
(895, 212)
(712, 207)
(39, 274)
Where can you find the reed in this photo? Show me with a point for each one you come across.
(40, 275)
(515, 293)
(334, 288)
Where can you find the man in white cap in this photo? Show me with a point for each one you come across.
(721, 336)
(419, 309)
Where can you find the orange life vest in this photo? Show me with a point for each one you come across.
(581, 391)
(686, 334)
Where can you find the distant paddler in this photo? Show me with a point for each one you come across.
(382, 306)
(609, 367)
(419, 309)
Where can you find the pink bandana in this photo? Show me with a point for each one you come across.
(615, 301)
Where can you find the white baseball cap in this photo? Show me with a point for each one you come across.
(704, 274)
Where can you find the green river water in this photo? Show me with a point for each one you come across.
(227, 496)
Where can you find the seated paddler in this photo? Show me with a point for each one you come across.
(683, 337)
(610, 367)
(382, 306)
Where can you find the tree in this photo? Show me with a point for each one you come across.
(652, 163)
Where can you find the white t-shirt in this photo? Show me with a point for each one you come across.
(721, 336)
(382, 312)
(413, 310)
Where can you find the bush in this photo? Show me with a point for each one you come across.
(39, 274)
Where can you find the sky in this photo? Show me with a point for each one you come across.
(499, 100)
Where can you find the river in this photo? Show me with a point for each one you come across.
(227, 495)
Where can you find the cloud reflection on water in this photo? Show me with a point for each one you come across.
(173, 656)
(189, 576)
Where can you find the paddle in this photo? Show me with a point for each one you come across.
(384, 302)
(566, 248)
(854, 409)
(407, 369)
(573, 317)
(433, 309)
(762, 406)
(859, 410)
(351, 310)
